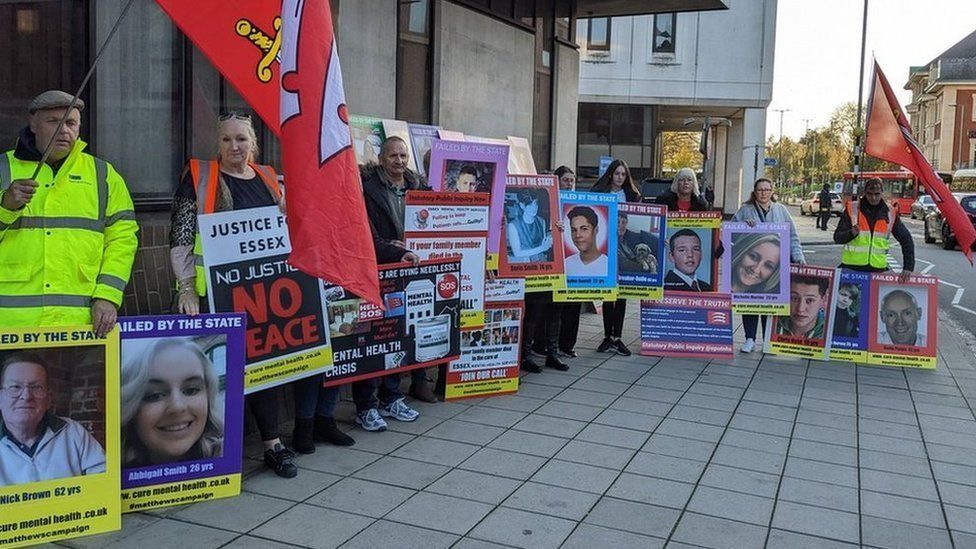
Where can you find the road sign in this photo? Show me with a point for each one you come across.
(771, 162)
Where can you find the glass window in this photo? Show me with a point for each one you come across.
(598, 34)
(27, 69)
(138, 90)
(413, 62)
(664, 24)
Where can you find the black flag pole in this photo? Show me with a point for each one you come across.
(81, 88)
(859, 129)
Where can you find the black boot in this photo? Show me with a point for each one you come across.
(552, 361)
(528, 365)
(302, 438)
(326, 430)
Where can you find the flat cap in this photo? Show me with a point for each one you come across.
(54, 99)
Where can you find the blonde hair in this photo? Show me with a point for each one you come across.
(135, 378)
(248, 129)
(683, 173)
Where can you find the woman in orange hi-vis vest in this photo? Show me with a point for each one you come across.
(235, 182)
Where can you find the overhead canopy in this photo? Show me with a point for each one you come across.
(605, 8)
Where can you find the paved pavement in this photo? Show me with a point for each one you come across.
(632, 452)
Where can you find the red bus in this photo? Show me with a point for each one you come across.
(900, 187)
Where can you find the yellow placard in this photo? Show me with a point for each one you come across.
(640, 292)
(472, 319)
(545, 283)
(492, 387)
(848, 355)
(181, 493)
(491, 262)
(771, 309)
(585, 294)
(53, 509)
(286, 369)
(792, 349)
(892, 359)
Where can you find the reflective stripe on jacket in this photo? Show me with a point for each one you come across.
(73, 242)
(870, 246)
(205, 175)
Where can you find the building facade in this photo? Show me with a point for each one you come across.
(491, 68)
(643, 76)
(943, 107)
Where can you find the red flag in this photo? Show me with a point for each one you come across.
(888, 136)
(327, 223)
(242, 39)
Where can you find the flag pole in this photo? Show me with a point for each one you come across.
(81, 88)
(859, 129)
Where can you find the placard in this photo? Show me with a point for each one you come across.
(439, 225)
(589, 241)
(457, 166)
(690, 263)
(182, 412)
(367, 138)
(419, 327)
(804, 332)
(422, 139)
(490, 356)
(533, 242)
(60, 387)
(756, 267)
(902, 330)
(245, 256)
(852, 307)
(687, 325)
(641, 230)
(520, 159)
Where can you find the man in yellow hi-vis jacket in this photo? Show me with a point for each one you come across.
(68, 237)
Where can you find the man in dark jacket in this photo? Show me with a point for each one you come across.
(864, 230)
(824, 207)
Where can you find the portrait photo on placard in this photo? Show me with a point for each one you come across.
(173, 399)
(529, 235)
(849, 310)
(756, 261)
(809, 308)
(637, 244)
(468, 176)
(903, 312)
(585, 239)
(52, 406)
(688, 265)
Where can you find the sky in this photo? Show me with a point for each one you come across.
(818, 47)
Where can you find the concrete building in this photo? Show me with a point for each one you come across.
(490, 68)
(645, 75)
(943, 107)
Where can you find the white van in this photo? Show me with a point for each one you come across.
(964, 181)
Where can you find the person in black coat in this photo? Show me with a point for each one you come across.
(824, 216)
(684, 195)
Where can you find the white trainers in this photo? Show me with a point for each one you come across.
(748, 346)
(371, 420)
(399, 411)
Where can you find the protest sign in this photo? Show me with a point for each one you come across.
(245, 256)
(640, 250)
(690, 264)
(419, 327)
(399, 128)
(439, 225)
(804, 332)
(756, 267)
(851, 305)
(489, 363)
(687, 324)
(520, 158)
(60, 388)
(182, 409)
(421, 140)
(457, 166)
(902, 329)
(589, 241)
(533, 243)
(450, 135)
(367, 138)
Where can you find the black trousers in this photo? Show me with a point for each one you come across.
(750, 323)
(823, 219)
(613, 317)
(264, 408)
(541, 316)
(569, 314)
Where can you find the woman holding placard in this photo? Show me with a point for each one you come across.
(616, 180)
(762, 207)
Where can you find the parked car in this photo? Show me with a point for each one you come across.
(936, 227)
(922, 207)
(812, 204)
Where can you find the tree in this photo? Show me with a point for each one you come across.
(680, 150)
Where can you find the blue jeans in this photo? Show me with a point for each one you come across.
(312, 399)
(365, 393)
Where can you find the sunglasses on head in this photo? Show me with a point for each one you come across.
(234, 115)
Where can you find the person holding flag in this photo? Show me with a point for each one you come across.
(864, 230)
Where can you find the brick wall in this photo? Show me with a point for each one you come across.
(151, 285)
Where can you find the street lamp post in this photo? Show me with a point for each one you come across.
(781, 111)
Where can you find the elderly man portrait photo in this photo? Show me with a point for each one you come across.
(900, 315)
(35, 444)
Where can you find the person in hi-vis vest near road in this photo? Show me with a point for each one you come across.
(68, 237)
(864, 230)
